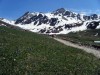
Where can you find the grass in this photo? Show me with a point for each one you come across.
(26, 53)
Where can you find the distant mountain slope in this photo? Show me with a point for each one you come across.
(9, 25)
(27, 53)
(60, 21)
(85, 38)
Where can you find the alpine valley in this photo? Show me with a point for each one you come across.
(60, 21)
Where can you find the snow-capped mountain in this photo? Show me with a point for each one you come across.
(7, 21)
(60, 21)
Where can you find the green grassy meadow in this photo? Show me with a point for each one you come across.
(27, 53)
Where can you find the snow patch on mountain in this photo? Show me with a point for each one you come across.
(8, 21)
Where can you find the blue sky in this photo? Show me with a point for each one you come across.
(12, 9)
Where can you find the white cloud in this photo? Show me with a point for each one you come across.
(86, 11)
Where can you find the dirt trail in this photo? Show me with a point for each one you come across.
(86, 49)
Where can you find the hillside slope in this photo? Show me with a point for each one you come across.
(85, 38)
(26, 53)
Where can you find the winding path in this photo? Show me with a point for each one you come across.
(86, 49)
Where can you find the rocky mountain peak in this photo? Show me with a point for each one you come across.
(59, 11)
